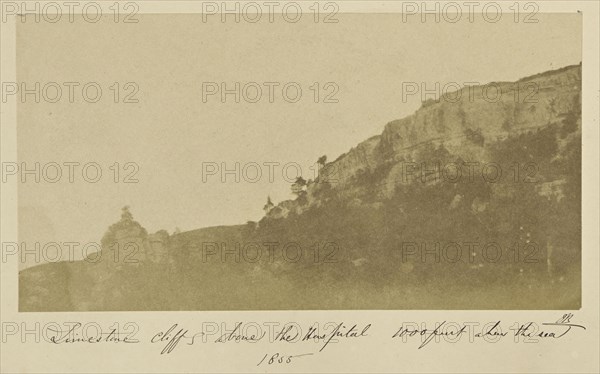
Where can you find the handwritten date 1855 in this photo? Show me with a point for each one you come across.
(279, 359)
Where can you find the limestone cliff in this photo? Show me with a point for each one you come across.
(464, 121)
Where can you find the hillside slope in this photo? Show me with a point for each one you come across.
(466, 204)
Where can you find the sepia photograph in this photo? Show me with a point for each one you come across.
(423, 171)
(316, 162)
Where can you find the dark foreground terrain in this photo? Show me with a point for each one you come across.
(370, 234)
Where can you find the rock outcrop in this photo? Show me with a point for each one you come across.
(464, 122)
(346, 227)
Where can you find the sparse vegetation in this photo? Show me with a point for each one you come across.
(352, 239)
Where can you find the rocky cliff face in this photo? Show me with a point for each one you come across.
(351, 221)
(464, 122)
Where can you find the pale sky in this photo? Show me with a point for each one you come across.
(171, 132)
